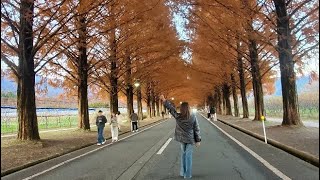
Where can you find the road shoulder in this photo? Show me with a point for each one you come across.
(290, 165)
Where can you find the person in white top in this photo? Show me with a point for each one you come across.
(114, 127)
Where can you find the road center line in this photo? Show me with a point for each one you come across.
(87, 153)
(164, 146)
(259, 158)
(134, 169)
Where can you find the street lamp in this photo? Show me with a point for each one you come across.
(139, 98)
(180, 102)
(172, 98)
(137, 84)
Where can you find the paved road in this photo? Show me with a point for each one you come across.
(136, 157)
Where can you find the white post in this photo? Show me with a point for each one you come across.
(264, 130)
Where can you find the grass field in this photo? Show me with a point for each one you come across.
(10, 125)
(305, 114)
(308, 106)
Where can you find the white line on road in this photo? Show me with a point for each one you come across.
(259, 158)
(133, 170)
(164, 146)
(89, 152)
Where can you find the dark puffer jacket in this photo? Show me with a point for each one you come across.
(187, 130)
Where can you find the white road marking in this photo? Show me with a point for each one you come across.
(259, 158)
(89, 152)
(164, 146)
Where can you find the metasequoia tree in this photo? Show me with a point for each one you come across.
(147, 41)
(215, 21)
(254, 60)
(28, 38)
(291, 50)
(138, 43)
(210, 53)
(80, 56)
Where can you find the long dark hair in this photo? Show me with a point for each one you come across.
(185, 110)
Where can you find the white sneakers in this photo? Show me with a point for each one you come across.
(99, 144)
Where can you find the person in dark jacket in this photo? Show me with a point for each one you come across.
(213, 115)
(101, 120)
(162, 114)
(187, 132)
(134, 121)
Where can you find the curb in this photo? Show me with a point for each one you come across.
(300, 154)
(15, 169)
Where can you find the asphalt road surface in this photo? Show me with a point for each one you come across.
(152, 154)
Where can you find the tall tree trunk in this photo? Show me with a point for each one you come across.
(129, 91)
(113, 70)
(149, 109)
(114, 90)
(139, 103)
(291, 115)
(235, 96)
(153, 102)
(157, 106)
(256, 80)
(83, 107)
(215, 100)
(219, 109)
(226, 97)
(160, 105)
(245, 109)
(224, 112)
(129, 87)
(26, 106)
(255, 69)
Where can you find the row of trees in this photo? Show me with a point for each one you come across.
(99, 46)
(237, 44)
(106, 46)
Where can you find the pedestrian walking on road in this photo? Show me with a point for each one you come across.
(134, 121)
(213, 115)
(162, 113)
(118, 118)
(114, 127)
(187, 132)
(101, 120)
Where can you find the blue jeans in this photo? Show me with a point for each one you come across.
(186, 160)
(100, 134)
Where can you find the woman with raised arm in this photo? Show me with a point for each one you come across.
(187, 132)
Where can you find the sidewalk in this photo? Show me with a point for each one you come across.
(299, 141)
(308, 123)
